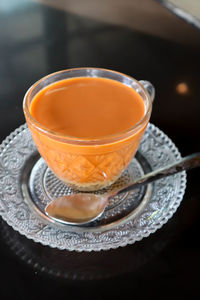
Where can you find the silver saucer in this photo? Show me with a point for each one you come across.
(27, 185)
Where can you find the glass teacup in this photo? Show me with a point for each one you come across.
(85, 164)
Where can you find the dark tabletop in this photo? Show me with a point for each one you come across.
(36, 40)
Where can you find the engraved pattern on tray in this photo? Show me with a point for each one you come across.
(166, 196)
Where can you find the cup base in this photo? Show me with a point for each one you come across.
(91, 186)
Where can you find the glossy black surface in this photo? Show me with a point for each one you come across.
(36, 40)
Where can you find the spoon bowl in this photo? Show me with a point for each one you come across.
(77, 209)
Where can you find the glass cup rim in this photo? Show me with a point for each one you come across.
(80, 140)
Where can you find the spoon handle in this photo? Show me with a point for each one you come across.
(186, 163)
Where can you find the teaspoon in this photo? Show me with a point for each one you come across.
(82, 208)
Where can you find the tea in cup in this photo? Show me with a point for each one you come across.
(87, 124)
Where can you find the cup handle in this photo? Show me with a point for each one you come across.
(149, 87)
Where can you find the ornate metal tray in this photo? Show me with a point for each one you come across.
(27, 185)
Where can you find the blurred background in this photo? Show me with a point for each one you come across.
(140, 38)
(154, 40)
